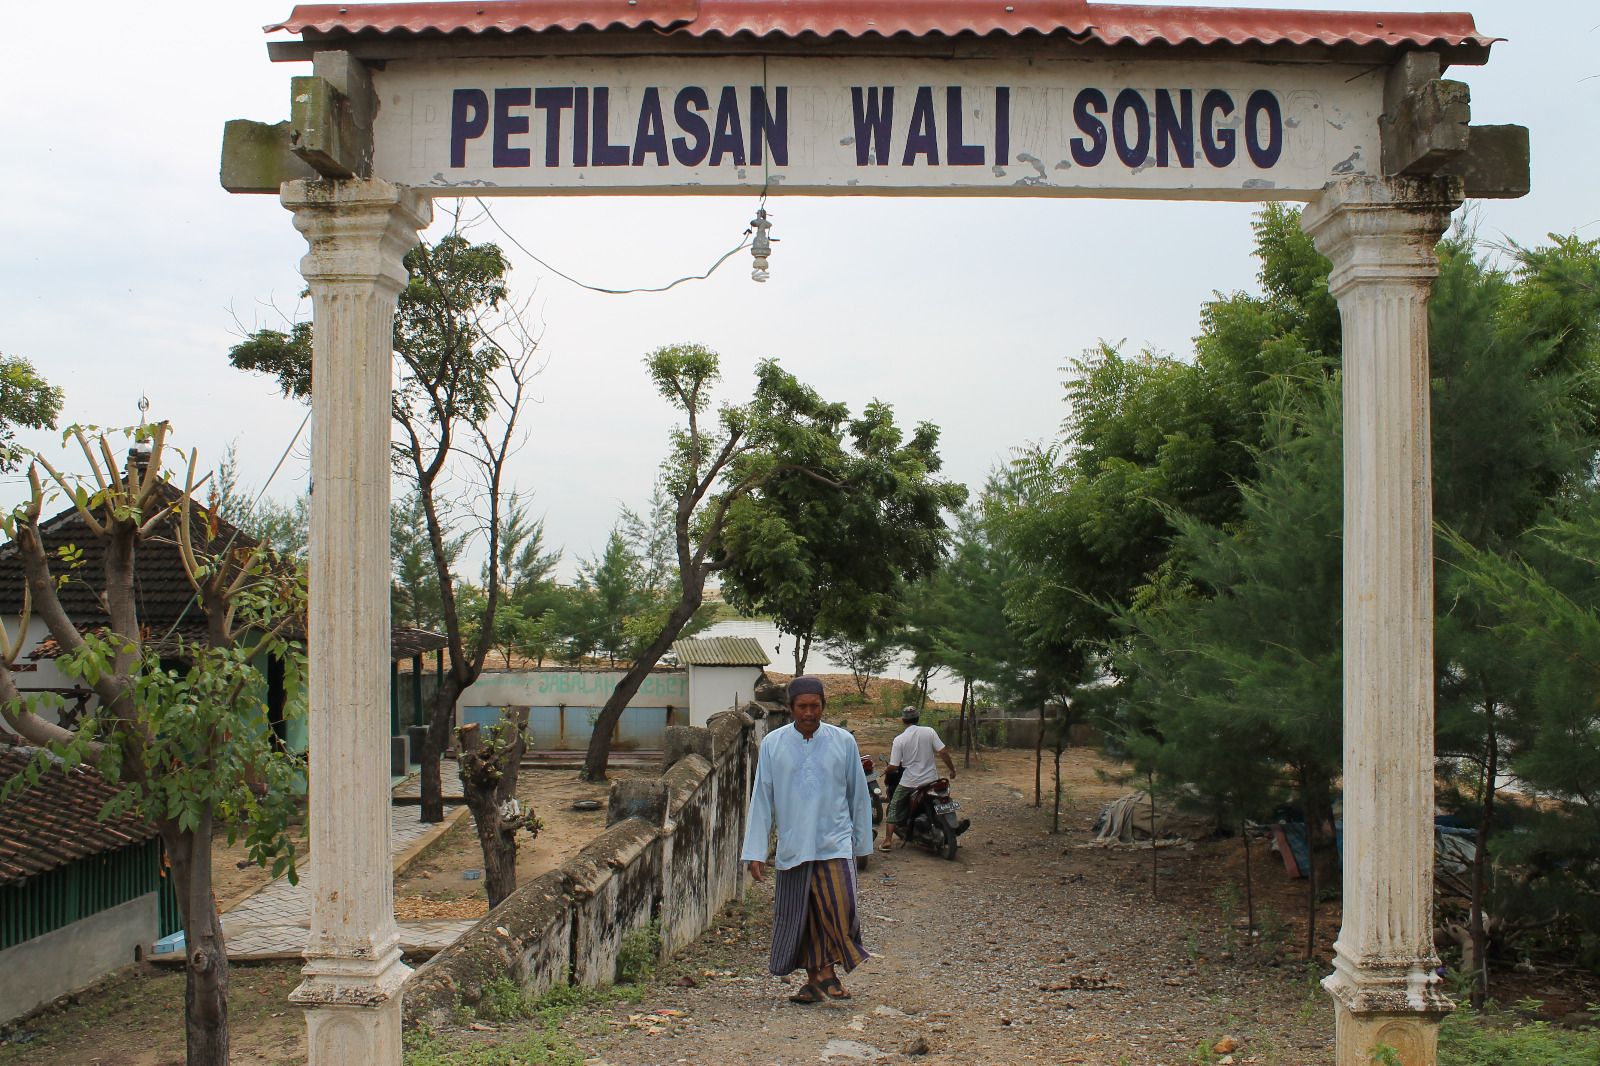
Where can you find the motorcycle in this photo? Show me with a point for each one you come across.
(930, 819)
(874, 789)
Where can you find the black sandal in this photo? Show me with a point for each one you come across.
(808, 994)
(833, 988)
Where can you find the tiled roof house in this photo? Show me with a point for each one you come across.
(79, 897)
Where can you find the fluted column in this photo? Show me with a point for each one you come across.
(1380, 235)
(358, 232)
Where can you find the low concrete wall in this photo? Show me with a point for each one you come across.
(36, 971)
(670, 855)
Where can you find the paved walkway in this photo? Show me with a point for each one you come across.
(273, 922)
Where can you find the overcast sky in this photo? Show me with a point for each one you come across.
(128, 270)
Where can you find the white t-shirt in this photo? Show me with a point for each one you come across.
(913, 752)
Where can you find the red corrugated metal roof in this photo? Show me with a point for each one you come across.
(1139, 24)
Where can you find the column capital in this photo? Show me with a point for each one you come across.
(359, 230)
(1381, 229)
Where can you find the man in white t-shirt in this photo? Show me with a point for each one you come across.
(912, 754)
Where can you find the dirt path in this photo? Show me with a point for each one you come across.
(1025, 949)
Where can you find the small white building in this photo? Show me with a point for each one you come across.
(723, 672)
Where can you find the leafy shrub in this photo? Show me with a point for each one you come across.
(637, 957)
(504, 1001)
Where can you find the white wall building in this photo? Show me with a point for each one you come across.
(723, 672)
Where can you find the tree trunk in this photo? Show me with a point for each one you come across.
(599, 753)
(1249, 882)
(967, 726)
(1038, 762)
(441, 718)
(1055, 815)
(1155, 852)
(1480, 865)
(1312, 811)
(205, 997)
(972, 720)
(802, 651)
(489, 784)
(961, 720)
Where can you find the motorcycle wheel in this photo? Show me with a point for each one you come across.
(948, 850)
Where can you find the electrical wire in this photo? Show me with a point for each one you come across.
(729, 254)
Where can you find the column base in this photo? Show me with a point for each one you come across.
(1363, 1038)
(1405, 1026)
(353, 1010)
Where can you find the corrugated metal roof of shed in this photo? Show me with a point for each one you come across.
(1112, 24)
(720, 651)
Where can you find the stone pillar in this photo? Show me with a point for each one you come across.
(1380, 235)
(358, 231)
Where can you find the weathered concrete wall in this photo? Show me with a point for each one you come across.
(36, 971)
(733, 773)
(528, 938)
(616, 890)
(687, 884)
(669, 855)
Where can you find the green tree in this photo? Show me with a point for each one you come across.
(26, 399)
(717, 474)
(830, 564)
(1235, 655)
(1231, 649)
(1515, 441)
(1150, 438)
(610, 592)
(524, 562)
(464, 361)
(414, 595)
(866, 659)
(180, 726)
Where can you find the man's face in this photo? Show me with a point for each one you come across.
(807, 712)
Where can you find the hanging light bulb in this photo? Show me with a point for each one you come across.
(760, 245)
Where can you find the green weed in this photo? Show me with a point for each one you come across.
(638, 955)
(544, 1047)
(504, 1001)
(1467, 1039)
(539, 1042)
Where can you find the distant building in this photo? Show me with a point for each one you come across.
(723, 673)
(170, 615)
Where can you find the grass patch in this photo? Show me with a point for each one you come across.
(539, 1042)
(139, 1012)
(523, 1048)
(1468, 1039)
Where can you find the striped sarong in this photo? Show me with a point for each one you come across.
(814, 920)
